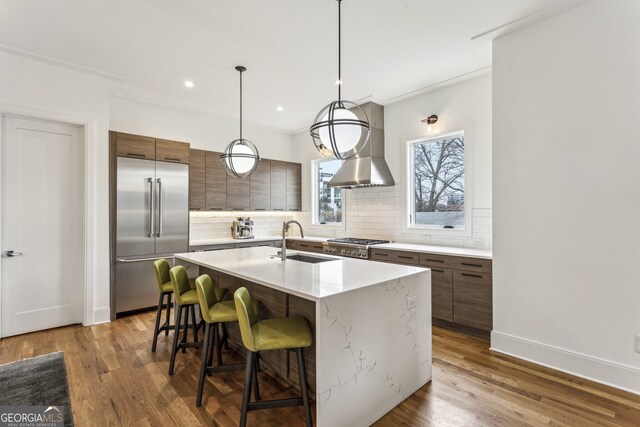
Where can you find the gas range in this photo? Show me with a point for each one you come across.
(350, 247)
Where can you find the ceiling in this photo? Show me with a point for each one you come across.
(390, 48)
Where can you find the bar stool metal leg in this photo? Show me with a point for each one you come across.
(203, 364)
(156, 328)
(168, 323)
(302, 372)
(246, 394)
(174, 348)
(194, 325)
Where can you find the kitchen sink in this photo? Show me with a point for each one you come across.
(309, 259)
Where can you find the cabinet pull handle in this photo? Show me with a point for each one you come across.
(405, 257)
(142, 156)
(380, 254)
(437, 271)
(435, 260)
(172, 159)
(275, 209)
(472, 275)
(259, 209)
(471, 265)
(215, 209)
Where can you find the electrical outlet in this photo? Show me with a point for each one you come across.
(425, 239)
(638, 343)
(411, 302)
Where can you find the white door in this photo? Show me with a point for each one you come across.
(42, 225)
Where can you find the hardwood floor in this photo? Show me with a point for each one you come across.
(115, 380)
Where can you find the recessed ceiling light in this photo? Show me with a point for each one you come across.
(189, 84)
(279, 108)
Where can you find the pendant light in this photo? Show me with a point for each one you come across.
(241, 157)
(341, 129)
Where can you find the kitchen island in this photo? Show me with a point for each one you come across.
(371, 323)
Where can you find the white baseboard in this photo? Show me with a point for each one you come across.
(592, 368)
(101, 315)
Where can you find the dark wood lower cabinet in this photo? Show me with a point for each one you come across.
(442, 294)
(473, 300)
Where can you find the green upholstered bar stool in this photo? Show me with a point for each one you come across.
(165, 288)
(215, 312)
(291, 333)
(186, 299)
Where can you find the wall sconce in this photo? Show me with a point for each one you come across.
(431, 120)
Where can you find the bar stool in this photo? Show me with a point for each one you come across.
(163, 280)
(291, 333)
(215, 312)
(186, 299)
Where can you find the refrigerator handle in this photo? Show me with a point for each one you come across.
(159, 181)
(151, 216)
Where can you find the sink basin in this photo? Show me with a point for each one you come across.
(309, 259)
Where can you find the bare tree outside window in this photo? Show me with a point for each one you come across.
(438, 166)
(329, 200)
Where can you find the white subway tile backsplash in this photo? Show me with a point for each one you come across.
(377, 212)
(217, 225)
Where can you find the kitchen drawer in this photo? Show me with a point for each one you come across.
(292, 244)
(398, 257)
(473, 299)
(301, 245)
(442, 294)
(172, 151)
(437, 261)
(478, 265)
(135, 146)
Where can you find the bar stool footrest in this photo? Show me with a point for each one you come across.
(226, 368)
(276, 403)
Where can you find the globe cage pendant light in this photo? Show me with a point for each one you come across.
(241, 157)
(341, 129)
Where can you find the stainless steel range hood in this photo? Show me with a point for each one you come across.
(368, 168)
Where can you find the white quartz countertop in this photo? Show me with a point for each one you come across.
(306, 280)
(415, 247)
(206, 242)
(442, 250)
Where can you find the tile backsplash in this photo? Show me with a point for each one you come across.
(217, 225)
(377, 213)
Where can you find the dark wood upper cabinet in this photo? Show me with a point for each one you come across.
(216, 182)
(197, 179)
(135, 146)
(260, 187)
(278, 185)
(172, 151)
(294, 183)
(237, 193)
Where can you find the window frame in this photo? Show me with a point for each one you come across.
(315, 202)
(409, 227)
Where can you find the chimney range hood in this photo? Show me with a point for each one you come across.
(368, 168)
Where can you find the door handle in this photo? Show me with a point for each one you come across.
(10, 254)
(160, 221)
(151, 216)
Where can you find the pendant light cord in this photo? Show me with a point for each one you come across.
(240, 105)
(339, 52)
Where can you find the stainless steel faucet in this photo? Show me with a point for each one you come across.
(285, 228)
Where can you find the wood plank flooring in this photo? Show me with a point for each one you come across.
(115, 380)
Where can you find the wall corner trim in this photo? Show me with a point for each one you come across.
(101, 315)
(602, 371)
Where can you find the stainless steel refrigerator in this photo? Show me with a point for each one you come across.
(152, 222)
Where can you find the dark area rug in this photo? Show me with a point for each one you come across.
(39, 381)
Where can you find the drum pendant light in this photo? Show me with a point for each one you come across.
(341, 129)
(241, 157)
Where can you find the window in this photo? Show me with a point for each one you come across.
(437, 182)
(327, 201)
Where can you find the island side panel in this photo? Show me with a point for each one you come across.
(304, 308)
(373, 349)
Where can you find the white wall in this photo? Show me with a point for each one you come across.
(202, 131)
(566, 150)
(379, 212)
(37, 89)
